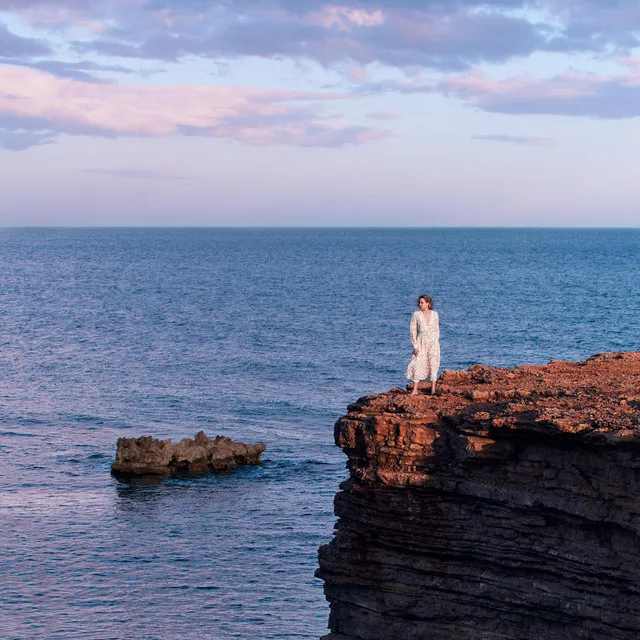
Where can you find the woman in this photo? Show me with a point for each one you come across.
(425, 338)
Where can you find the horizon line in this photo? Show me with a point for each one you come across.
(318, 227)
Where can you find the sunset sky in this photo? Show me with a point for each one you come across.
(305, 112)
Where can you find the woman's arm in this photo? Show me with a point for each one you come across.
(413, 329)
(437, 319)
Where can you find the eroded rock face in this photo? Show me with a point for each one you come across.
(146, 456)
(507, 507)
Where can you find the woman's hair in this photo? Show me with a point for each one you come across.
(427, 299)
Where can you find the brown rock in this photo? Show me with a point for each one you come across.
(507, 507)
(146, 456)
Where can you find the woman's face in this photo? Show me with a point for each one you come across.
(422, 303)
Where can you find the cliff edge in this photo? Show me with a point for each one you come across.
(506, 507)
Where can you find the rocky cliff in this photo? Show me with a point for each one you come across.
(506, 507)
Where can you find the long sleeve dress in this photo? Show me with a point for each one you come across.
(425, 336)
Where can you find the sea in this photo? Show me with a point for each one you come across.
(262, 335)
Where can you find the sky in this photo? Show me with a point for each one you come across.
(316, 113)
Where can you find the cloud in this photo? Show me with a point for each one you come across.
(527, 141)
(354, 37)
(140, 174)
(20, 139)
(345, 18)
(81, 70)
(596, 24)
(40, 103)
(357, 74)
(449, 36)
(15, 46)
(612, 96)
(452, 40)
(383, 116)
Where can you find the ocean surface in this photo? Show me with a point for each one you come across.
(260, 335)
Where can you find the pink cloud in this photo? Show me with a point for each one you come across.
(365, 18)
(613, 96)
(345, 19)
(478, 89)
(36, 101)
(357, 73)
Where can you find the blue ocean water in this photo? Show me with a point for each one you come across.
(260, 335)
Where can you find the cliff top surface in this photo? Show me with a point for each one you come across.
(597, 400)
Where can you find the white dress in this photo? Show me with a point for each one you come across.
(425, 336)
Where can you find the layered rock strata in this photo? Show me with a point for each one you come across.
(147, 456)
(506, 507)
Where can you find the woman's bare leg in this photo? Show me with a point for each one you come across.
(433, 387)
(415, 388)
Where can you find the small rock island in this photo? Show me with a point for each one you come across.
(505, 508)
(147, 456)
